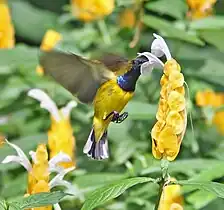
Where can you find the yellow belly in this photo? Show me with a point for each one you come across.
(109, 97)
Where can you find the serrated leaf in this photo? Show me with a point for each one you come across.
(104, 194)
(162, 7)
(39, 200)
(213, 187)
(168, 29)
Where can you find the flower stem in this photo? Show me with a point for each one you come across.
(104, 31)
(165, 175)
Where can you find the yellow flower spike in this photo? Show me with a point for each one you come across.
(168, 143)
(60, 138)
(162, 110)
(7, 34)
(157, 128)
(89, 10)
(40, 169)
(176, 79)
(51, 38)
(168, 132)
(171, 66)
(171, 198)
(176, 101)
(60, 134)
(176, 121)
(164, 80)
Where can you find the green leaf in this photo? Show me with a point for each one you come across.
(211, 71)
(213, 187)
(214, 22)
(162, 7)
(168, 29)
(40, 199)
(141, 111)
(214, 37)
(200, 199)
(3, 205)
(30, 22)
(102, 195)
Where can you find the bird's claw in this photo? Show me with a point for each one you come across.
(119, 118)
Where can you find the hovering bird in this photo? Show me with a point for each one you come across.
(108, 83)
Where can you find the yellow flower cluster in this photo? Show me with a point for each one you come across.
(38, 178)
(89, 10)
(171, 116)
(51, 38)
(61, 139)
(7, 34)
(210, 98)
(200, 8)
(171, 198)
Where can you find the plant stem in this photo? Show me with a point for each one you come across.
(164, 168)
(159, 194)
(104, 31)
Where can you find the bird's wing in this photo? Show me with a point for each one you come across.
(80, 76)
(117, 64)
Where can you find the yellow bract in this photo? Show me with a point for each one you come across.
(169, 130)
(200, 8)
(127, 18)
(171, 198)
(61, 139)
(38, 178)
(210, 98)
(51, 38)
(89, 10)
(7, 34)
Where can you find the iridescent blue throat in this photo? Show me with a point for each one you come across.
(128, 81)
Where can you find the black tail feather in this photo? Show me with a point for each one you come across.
(97, 150)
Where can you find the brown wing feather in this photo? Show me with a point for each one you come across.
(117, 64)
(80, 76)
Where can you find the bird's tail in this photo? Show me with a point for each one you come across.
(97, 150)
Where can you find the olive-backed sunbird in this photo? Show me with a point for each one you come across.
(108, 83)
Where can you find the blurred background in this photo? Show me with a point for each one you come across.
(194, 31)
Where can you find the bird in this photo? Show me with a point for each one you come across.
(108, 83)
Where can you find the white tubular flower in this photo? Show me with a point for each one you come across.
(66, 111)
(20, 158)
(45, 102)
(60, 157)
(159, 47)
(57, 206)
(153, 62)
(58, 179)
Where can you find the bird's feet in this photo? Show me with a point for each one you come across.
(117, 118)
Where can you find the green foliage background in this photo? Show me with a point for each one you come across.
(197, 45)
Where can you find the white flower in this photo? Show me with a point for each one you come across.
(47, 103)
(153, 62)
(22, 159)
(159, 47)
